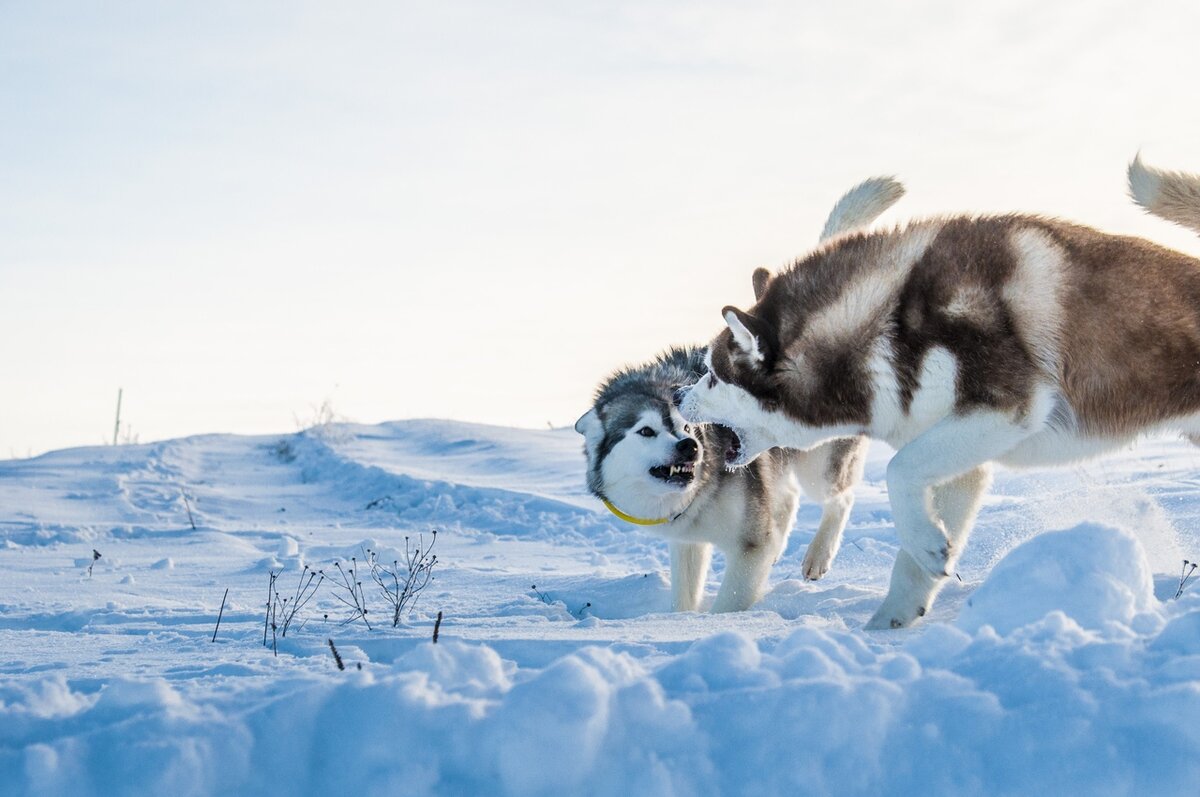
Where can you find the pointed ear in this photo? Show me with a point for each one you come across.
(759, 280)
(745, 333)
(589, 425)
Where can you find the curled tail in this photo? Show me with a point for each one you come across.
(861, 205)
(1174, 196)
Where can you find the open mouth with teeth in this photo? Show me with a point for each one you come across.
(675, 474)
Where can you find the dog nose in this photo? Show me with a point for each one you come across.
(687, 448)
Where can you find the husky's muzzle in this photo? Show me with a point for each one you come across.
(683, 469)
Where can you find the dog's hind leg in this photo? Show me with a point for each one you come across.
(828, 473)
(689, 570)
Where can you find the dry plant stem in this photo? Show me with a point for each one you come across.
(188, 506)
(336, 657)
(1185, 575)
(402, 584)
(354, 599)
(305, 590)
(267, 618)
(220, 614)
(437, 626)
(272, 613)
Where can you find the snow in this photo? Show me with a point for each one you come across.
(1058, 662)
(1096, 575)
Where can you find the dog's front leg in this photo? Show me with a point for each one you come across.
(689, 569)
(913, 588)
(955, 448)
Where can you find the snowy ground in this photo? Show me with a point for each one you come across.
(1059, 664)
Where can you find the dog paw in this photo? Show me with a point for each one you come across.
(881, 621)
(817, 562)
(887, 618)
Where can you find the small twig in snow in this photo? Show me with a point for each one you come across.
(1185, 575)
(188, 506)
(220, 614)
(336, 657)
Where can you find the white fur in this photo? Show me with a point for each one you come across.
(1033, 294)
(689, 568)
(862, 301)
(861, 205)
(592, 428)
(744, 337)
(721, 524)
(626, 476)
(715, 401)
(932, 401)
(821, 551)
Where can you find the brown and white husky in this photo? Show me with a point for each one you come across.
(964, 341)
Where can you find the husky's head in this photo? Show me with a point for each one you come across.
(738, 391)
(765, 396)
(643, 456)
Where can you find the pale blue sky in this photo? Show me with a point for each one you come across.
(475, 210)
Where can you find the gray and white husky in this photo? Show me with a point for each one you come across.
(651, 468)
(964, 341)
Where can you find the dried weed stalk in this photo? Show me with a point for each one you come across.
(349, 590)
(401, 584)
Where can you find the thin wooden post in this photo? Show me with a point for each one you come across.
(117, 425)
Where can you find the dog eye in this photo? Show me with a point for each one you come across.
(687, 429)
(712, 379)
(646, 431)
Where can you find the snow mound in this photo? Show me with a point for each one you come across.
(610, 599)
(1095, 574)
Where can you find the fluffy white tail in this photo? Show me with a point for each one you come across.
(861, 205)
(1174, 196)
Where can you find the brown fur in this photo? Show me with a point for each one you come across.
(1120, 337)
(1131, 348)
